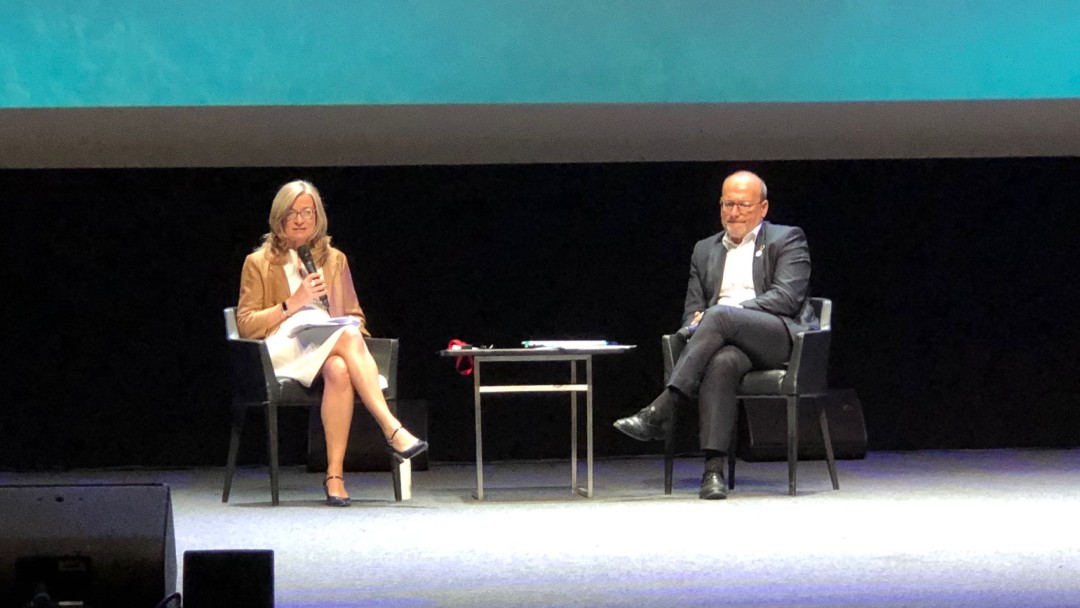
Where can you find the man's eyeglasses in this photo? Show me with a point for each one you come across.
(742, 205)
(307, 214)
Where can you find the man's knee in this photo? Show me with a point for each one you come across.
(718, 317)
(728, 362)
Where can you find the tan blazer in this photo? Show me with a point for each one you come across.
(263, 287)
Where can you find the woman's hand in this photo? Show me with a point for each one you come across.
(312, 287)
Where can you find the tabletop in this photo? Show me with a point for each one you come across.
(535, 351)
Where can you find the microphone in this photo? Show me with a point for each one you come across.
(309, 264)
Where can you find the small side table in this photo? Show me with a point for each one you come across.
(523, 355)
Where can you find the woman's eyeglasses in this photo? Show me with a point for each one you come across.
(306, 214)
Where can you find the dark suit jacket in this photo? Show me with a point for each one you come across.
(781, 276)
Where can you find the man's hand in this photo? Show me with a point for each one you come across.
(697, 317)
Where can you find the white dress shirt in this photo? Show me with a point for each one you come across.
(737, 286)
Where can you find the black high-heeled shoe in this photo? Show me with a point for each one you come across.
(407, 453)
(335, 501)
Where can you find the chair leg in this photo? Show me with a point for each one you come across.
(239, 413)
(395, 470)
(733, 448)
(272, 447)
(830, 459)
(395, 464)
(793, 441)
(669, 454)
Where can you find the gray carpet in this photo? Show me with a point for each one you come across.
(983, 528)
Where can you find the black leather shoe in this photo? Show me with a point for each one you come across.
(713, 486)
(649, 424)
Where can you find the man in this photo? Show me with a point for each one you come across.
(745, 301)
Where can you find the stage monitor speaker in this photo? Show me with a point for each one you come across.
(763, 428)
(86, 545)
(229, 579)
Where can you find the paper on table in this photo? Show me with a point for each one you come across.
(329, 326)
(565, 343)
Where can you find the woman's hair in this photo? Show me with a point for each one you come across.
(275, 243)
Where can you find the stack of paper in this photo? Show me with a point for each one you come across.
(564, 343)
(326, 327)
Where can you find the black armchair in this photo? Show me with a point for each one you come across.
(804, 376)
(254, 384)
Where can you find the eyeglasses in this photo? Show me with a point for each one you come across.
(742, 205)
(307, 214)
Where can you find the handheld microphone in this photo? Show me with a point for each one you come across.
(309, 264)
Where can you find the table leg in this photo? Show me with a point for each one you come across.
(573, 429)
(479, 433)
(589, 427)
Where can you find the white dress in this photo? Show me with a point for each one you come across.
(302, 358)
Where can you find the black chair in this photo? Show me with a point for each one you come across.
(254, 384)
(804, 376)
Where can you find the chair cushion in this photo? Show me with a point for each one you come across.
(294, 393)
(763, 382)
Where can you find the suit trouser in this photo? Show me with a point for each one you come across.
(728, 342)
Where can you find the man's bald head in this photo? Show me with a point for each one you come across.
(747, 179)
(742, 204)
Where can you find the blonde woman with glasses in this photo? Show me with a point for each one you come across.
(278, 295)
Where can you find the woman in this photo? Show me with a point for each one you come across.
(277, 295)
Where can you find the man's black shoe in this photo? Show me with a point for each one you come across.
(648, 424)
(713, 486)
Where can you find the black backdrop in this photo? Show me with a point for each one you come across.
(953, 281)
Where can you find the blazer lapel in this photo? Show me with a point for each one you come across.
(717, 257)
(280, 286)
(761, 261)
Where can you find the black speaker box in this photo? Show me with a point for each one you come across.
(763, 428)
(98, 545)
(366, 450)
(229, 579)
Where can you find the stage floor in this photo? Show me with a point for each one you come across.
(938, 528)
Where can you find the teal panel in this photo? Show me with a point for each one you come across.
(67, 53)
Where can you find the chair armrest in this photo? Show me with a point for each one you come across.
(808, 368)
(252, 372)
(672, 346)
(385, 353)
